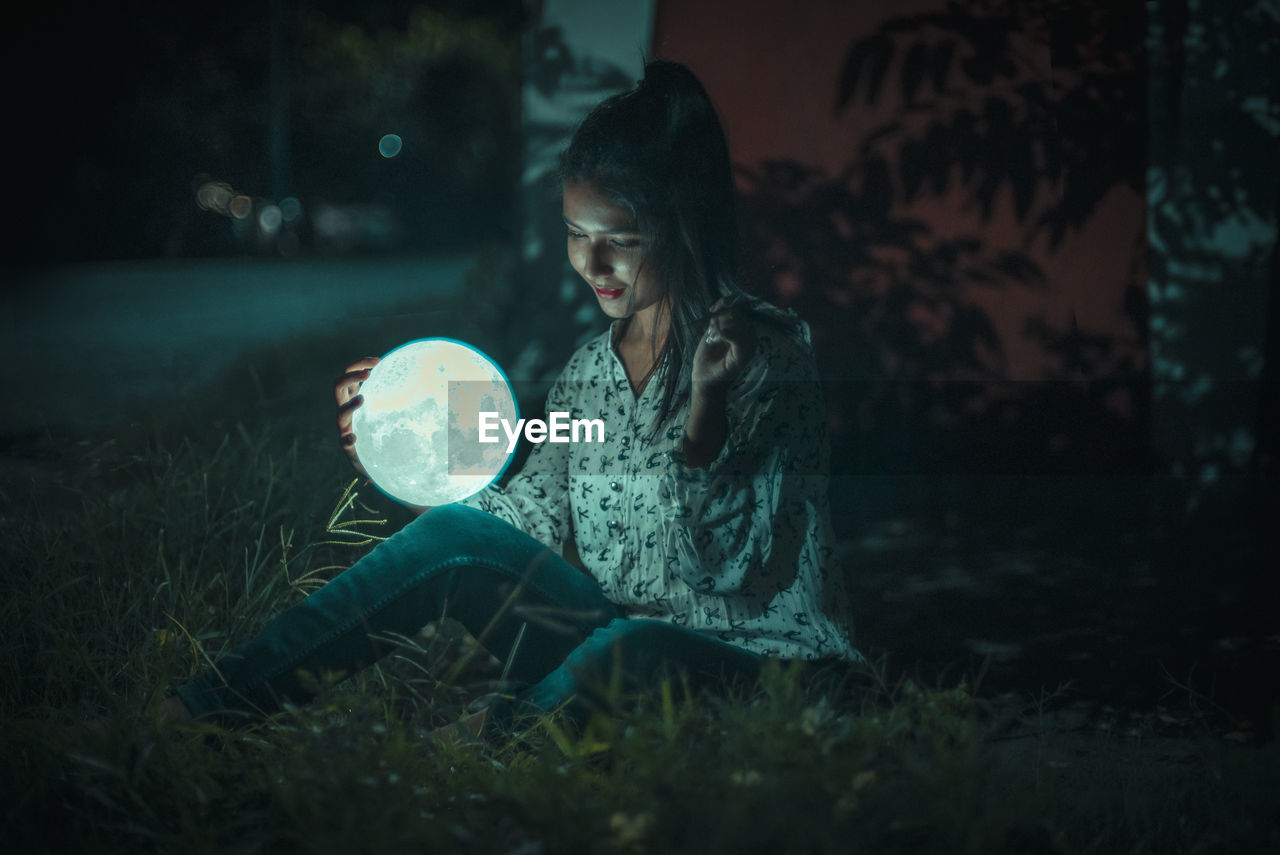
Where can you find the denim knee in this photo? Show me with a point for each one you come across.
(457, 530)
(637, 642)
(633, 654)
(644, 647)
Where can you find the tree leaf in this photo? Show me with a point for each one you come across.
(913, 67)
(874, 54)
(941, 66)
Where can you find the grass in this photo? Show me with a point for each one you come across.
(182, 535)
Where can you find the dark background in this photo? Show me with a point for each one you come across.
(122, 111)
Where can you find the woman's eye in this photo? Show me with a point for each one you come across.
(620, 243)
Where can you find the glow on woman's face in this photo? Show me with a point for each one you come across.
(609, 253)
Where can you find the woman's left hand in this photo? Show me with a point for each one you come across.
(723, 351)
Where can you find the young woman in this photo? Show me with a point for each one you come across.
(701, 520)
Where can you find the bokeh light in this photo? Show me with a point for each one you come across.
(290, 208)
(241, 207)
(215, 196)
(390, 145)
(269, 219)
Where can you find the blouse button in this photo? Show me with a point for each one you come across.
(615, 486)
(626, 440)
(613, 525)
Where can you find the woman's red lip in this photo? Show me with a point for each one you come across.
(609, 293)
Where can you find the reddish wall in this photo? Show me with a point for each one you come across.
(772, 69)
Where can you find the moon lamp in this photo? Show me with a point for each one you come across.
(417, 432)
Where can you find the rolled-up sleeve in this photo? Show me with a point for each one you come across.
(725, 525)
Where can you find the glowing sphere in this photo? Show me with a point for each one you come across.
(417, 432)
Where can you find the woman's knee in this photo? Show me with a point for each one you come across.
(617, 631)
(634, 644)
(644, 647)
(451, 518)
(460, 530)
(441, 539)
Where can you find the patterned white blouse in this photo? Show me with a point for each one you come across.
(741, 550)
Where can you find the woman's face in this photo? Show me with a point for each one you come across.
(609, 253)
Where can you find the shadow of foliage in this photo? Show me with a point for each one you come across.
(885, 295)
(1038, 103)
(1046, 98)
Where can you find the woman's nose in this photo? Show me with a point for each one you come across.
(598, 262)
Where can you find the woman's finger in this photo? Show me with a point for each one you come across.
(357, 372)
(357, 376)
(346, 411)
(348, 443)
(729, 326)
(732, 340)
(346, 390)
(743, 351)
(362, 364)
(349, 384)
(731, 329)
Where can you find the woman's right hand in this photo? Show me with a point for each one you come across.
(346, 391)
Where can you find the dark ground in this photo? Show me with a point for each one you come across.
(1070, 590)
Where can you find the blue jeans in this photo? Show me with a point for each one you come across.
(502, 585)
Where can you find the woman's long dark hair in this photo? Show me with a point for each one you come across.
(659, 152)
